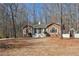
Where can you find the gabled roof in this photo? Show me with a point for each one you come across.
(53, 24)
(27, 26)
(41, 25)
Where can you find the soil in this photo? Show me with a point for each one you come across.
(48, 46)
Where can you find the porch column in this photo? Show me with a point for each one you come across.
(37, 31)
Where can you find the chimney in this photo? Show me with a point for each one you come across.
(39, 23)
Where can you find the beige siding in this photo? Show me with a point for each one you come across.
(56, 27)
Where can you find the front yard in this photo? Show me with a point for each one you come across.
(42, 46)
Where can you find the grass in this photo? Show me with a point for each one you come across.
(42, 46)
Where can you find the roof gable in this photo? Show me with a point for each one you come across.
(53, 24)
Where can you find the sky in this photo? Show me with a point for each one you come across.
(37, 7)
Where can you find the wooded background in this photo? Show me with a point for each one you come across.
(14, 16)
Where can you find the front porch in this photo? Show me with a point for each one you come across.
(39, 30)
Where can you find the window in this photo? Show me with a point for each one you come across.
(53, 30)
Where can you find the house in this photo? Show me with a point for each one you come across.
(42, 30)
(38, 30)
(54, 29)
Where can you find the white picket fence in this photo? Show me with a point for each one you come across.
(76, 35)
(66, 35)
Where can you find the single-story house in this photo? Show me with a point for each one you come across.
(41, 30)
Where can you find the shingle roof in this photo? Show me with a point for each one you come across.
(39, 26)
(52, 24)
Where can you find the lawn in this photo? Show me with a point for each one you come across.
(42, 46)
